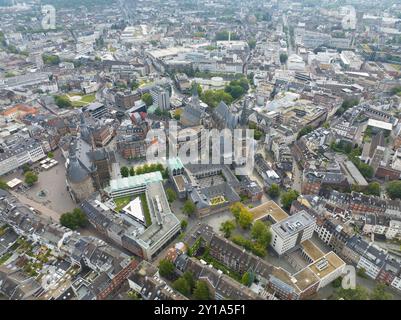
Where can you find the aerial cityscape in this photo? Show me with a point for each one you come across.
(200, 150)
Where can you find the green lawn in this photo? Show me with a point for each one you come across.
(121, 202)
(84, 99)
(88, 98)
(145, 208)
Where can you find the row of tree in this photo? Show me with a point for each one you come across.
(146, 168)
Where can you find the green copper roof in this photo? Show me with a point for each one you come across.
(174, 163)
(134, 181)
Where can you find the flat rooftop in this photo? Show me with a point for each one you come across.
(134, 181)
(180, 182)
(163, 220)
(312, 250)
(269, 208)
(305, 278)
(380, 124)
(333, 262)
(293, 224)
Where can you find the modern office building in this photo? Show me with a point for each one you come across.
(290, 232)
(95, 109)
(132, 185)
(145, 233)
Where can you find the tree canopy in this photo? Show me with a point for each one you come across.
(3, 185)
(62, 101)
(283, 58)
(304, 131)
(201, 291)
(184, 224)
(50, 59)
(260, 233)
(189, 207)
(393, 189)
(288, 197)
(147, 98)
(182, 286)
(166, 268)
(274, 190)
(171, 195)
(227, 227)
(246, 279)
(242, 215)
(31, 178)
(74, 220)
(124, 171)
(213, 97)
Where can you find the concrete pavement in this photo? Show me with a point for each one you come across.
(44, 211)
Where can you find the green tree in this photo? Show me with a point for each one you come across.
(393, 189)
(132, 171)
(3, 184)
(182, 286)
(62, 102)
(213, 97)
(166, 268)
(261, 233)
(283, 58)
(359, 293)
(395, 90)
(171, 195)
(26, 168)
(337, 282)
(347, 104)
(236, 209)
(245, 219)
(50, 155)
(288, 197)
(74, 220)
(147, 98)
(184, 224)
(304, 131)
(227, 227)
(189, 278)
(198, 88)
(235, 91)
(246, 279)
(361, 272)
(380, 293)
(274, 190)
(258, 134)
(201, 291)
(134, 85)
(50, 59)
(189, 207)
(252, 44)
(124, 171)
(31, 178)
(373, 189)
